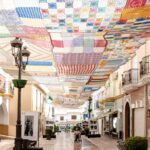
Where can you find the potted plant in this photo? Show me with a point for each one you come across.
(56, 129)
(136, 143)
(86, 131)
(48, 133)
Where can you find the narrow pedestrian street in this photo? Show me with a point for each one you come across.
(65, 141)
(74, 67)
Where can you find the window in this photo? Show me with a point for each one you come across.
(61, 118)
(73, 117)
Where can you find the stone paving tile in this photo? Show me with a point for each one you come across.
(65, 141)
(103, 143)
(6, 144)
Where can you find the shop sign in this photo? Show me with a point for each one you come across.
(109, 105)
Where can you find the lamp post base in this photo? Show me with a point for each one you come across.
(18, 144)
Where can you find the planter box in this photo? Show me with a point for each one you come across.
(48, 137)
(93, 135)
(53, 136)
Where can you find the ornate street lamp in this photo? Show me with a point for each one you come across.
(21, 56)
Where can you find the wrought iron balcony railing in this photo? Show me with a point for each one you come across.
(130, 77)
(145, 66)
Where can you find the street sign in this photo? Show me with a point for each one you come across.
(109, 105)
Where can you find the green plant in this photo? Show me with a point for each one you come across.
(86, 131)
(49, 131)
(136, 143)
(56, 128)
(89, 110)
(19, 83)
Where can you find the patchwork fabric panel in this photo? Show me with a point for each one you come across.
(135, 3)
(80, 16)
(74, 59)
(76, 69)
(78, 42)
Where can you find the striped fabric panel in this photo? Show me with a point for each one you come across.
(9, 18)
(76, 69)
(36, 22)
(37, 33)
(35, 30)
(42, 44)
(77, 58)
(43, 1)
(29, 12)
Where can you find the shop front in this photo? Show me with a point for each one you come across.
(113, 124)
(110, 121)
(134, 115)
(110, 124)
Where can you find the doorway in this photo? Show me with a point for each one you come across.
(127, 120)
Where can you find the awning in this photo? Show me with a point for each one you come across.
(107, 114)
(111, 99)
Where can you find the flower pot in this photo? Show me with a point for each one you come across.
(19, 83)
(48, 137)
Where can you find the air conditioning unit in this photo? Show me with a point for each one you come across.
(115, 75)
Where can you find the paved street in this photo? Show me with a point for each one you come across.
(65, 141)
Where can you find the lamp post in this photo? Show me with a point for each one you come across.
(21, 56)
(89, 109)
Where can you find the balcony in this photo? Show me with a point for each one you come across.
(130, 77)
(130, 80)
(145, 70)
(145, 66)
(134, 78)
